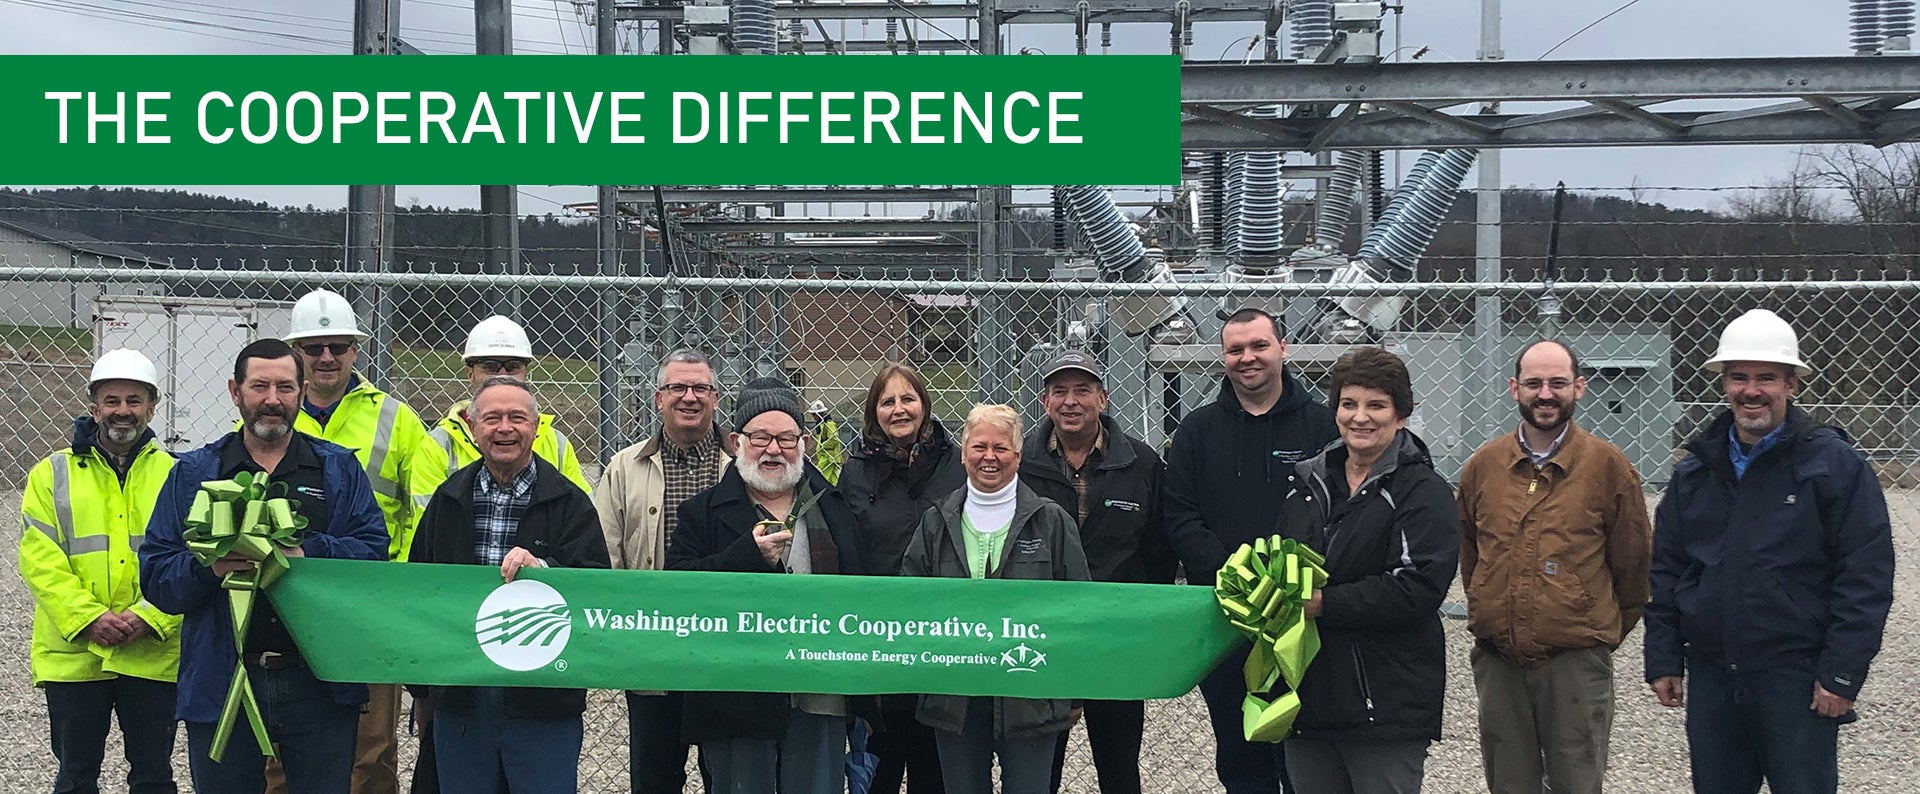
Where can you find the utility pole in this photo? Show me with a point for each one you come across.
(499, 204)
(376, 25)
(611, 315)
(1486, 236)
(990, 362)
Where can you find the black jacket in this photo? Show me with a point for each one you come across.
(1123, 534)
(716, 534)
(1226, 469)
(1041, 544)
(889, 500)
(560, 527)
(1392, 549)
(1791, 564)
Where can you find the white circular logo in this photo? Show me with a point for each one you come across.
(523, 625)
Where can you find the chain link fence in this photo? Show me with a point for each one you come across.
(598, 341)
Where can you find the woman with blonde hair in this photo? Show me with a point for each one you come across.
(995, 528)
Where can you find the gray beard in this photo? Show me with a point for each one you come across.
(780, 483)
(124, 435)
(269, 433)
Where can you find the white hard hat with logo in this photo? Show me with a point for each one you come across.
(1759, 335)
(499, 336)
(125, 364)
(323, 313)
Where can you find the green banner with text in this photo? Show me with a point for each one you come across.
(469, 120)
(459, 625)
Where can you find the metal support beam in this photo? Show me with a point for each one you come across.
(991, 362)
(376, 25)
(1516, 81)
(849, 11)
(1421, 112)
(1535, 132)
(746, 194)
(1628, 110)
(499, 204)
(611, 308)
(827, 226)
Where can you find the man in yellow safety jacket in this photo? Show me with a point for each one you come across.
(346, 409)
(496, 346)
(99, 648)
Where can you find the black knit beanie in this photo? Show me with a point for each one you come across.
(761, 395)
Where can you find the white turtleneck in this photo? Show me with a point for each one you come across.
(991, 512)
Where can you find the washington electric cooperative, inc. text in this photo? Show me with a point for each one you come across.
(621, 117)
(847, 625)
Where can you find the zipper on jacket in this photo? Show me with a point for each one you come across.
(1366, 692)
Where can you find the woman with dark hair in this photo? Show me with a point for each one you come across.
(1371, 503)
(905, 463)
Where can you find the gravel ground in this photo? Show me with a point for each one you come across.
(1878, 755)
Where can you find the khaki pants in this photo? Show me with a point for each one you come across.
(1547, 726)
(376, 754)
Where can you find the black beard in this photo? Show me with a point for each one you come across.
(1566, 415)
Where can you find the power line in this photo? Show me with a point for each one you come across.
(178, 26)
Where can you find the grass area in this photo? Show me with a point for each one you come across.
(48, 339)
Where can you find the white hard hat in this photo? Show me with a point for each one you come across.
(1759, 335)
(323, 313)
(817, 407)
(499, 336)
(125, 364)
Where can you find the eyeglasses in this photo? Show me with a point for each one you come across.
(336, 348)
(495, 366)
(1557, 384)
(680, 389)
(761, 440)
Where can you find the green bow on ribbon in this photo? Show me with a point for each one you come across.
(241, 516)
(1263, 589)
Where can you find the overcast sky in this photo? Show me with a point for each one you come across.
(1450, 28)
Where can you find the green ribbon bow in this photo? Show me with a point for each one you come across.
(242, 516)
(1262, 590)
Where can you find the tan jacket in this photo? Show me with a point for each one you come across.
(629, 502)
(1554, 558)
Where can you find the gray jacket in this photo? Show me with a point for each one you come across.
(938, 549)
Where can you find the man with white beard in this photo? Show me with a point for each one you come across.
(772, 513)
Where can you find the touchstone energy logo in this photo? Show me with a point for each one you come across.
(1022, 659)
(523, 625)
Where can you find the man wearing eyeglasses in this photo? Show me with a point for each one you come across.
(342, 407)
(772, 513)
(1554, 553)
(638, 500)
(497, 346)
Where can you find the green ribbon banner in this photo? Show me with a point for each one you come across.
(524, 120)
(377, 622)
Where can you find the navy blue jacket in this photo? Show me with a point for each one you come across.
(1227, 471)
(177, 583)
(1791, 564)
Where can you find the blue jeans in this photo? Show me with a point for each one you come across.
(473, 750)
(1244, 767)
(966, 758)
(811, 759)
(79, 714)
(313, 735)
(1746, 725)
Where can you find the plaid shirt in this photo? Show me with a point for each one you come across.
(497, 510)
(1079, 477)
(687, 472)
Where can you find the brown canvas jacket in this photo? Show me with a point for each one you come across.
(1553, 558)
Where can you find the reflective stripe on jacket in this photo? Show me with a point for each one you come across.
(384, 434)
(78, 554)
(449, 447)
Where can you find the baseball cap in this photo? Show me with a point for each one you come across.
(1073, 358)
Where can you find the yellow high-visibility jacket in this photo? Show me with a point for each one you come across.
(449, 447)
(79, 556)
(383, 434)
